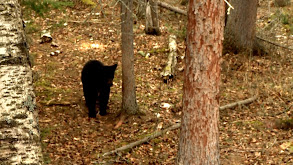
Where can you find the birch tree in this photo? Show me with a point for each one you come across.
(19, 132)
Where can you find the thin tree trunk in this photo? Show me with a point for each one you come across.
(129, 104)
(199, 135)
(152, 18)
(19, 131)
(240, 26)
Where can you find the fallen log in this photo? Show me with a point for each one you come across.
(175, 126)
(172, 8)
(169, 70)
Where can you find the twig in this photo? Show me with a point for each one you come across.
(230, 6)
(175, 126)
(280, 113)
(243, 150)
(78, 22)
(53, 102)
(270, 42)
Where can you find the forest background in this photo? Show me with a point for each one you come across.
(259, 133)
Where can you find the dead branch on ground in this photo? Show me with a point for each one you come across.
(238, 103)
(275, 44)
(169, 70)
(175, 126)
(136, 143)
(172, 8)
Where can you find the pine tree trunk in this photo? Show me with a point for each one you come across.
(199, 135)
(129, 104)
(19, 131)
(240, 26)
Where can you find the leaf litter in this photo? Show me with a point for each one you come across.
(248, 134)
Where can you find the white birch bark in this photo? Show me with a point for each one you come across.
(169, 70)
(19, 132)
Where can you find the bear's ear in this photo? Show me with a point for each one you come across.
(114, 66)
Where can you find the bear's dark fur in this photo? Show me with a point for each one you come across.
(96, 80)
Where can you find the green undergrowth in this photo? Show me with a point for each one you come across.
(285, 124)
(41, 7)
(45, 132)
(31, 27)
(179, 32)
(44, 88)
(89, 2)
(285, 17)
(250, 124)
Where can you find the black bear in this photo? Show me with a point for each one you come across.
(96, 80)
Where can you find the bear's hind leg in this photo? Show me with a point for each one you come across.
(103, 100)
(90, 99)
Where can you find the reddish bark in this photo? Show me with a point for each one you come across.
(129, 104)
(199, 136)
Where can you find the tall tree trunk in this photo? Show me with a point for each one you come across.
(240, 26)
(19, 132)
(129, 104)
(199, 135)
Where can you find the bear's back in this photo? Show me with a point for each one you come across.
(92, 72)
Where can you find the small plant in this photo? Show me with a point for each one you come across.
(180, 33)
(285, 124)
(89, 2)
(43, 6)
(30, 27)
(287, 21)
(285, 18)
(44, 133)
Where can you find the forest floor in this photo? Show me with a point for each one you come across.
(249, 134)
